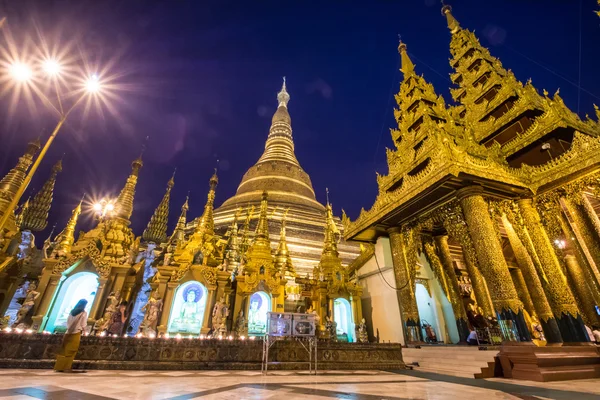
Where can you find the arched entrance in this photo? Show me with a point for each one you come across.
(427, 314)
(260, 305)
(82, 285)
(189, 305)
(342, 315)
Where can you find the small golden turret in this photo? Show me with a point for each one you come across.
(35, 217)
(178, 235)
(156, 231)
(259, 254)
(206, 225)
(232, 249)
(330, 258)
(9, 185)
(283, 261)
(124, 203)
(66, 238)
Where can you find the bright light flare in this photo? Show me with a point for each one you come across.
(51, 67)
(20, 72)
(97, 207)
(110, 207)
(93, 85)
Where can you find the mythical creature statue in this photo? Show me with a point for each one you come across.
(28, 304)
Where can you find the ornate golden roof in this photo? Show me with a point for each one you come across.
(35, 216)
(156, 231)
(178, 235)
(277, 170)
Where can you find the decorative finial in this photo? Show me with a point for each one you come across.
(407, 66)
(283, 96)
(171, 182)
(453, 24)
(327, 194)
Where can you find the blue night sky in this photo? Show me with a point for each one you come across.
(200, 79)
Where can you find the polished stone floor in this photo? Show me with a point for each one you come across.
(222, 385)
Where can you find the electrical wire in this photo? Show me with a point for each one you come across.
(383, 277)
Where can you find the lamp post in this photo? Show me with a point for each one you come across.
(22, 73)
(104, 208)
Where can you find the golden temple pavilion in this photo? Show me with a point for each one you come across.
(489, 208)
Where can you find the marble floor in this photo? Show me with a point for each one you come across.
(222, 385)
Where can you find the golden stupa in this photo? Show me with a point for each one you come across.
(278, 172)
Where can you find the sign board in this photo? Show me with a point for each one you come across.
(291, 324)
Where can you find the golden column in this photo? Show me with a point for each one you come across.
(560, 297)
(491, 259)
(586, 296)
(591, 213)
(404, 287)
(533, 283)
(458, 305)
(521, 288)
(457, 228)
(586, 236)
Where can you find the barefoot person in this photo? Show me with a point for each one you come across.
(76, 325)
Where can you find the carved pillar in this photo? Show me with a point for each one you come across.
(585, 236)
(167, 306)
(210, 301)
(95, 311)
(405, 287)
(491, 260)
(39, 321)
(453, 288)
(521, 288)
(580, 286)
(532, 281)
(11, 285)
(560, 298)
(457, 228)
(591, 213)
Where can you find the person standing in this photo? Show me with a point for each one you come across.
(117, 321)
(76, 325)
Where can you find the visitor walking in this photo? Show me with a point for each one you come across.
(117, 321)
(76, 324)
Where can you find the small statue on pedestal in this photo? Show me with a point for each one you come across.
(240, 325)
(28, 303)
(152, 309)
(362, 336)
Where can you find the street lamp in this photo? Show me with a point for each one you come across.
(22, 73)
(103, 208)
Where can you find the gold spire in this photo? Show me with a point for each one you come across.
(283, 260)
(20, 213)
(9, 185)
(178, 235)
(245, 241)
(408, 68)
(156, 231)
(124, 203)
(232, 250)
(453, 24)
(66, 238)
(330, 258)
(259, 253)
(206, 225)
(283, 96)
(35, 217)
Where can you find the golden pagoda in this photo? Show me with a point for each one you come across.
(491, 201)
(290, 191)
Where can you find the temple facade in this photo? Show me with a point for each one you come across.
(271, 247)
(488, 215)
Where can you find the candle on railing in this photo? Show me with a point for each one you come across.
(178, 336)
(242, 337)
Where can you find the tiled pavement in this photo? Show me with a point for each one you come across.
(287, 385)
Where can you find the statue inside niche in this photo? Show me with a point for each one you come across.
(240, 325)
(362, 336)
(27, 305)
(152, 310)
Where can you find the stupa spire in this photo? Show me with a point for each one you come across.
(35, 217)
(179, 233)
(283, 96)
(232, 251)
(156, 231)
(124, 203)
(66, 238)
(9, 185)
(206, 225)
(259, 253)
(283, 260)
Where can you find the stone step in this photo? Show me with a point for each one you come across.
(457, 361)
(483, 358)
(457, 367)
(444, 371)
